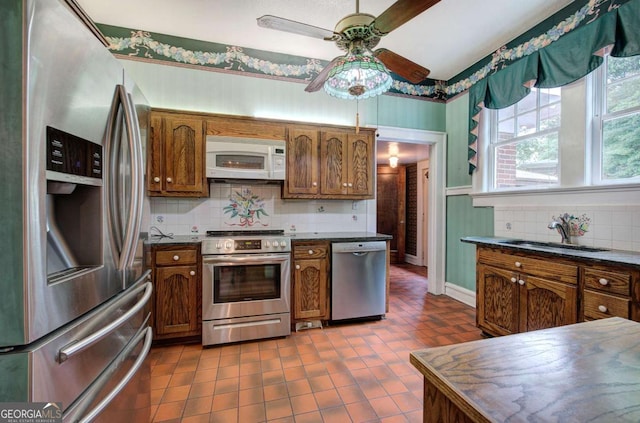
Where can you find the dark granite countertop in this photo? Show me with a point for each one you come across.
(338, 236)
(605, 256)
(297, 236)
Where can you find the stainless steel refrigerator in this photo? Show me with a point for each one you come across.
(74, 300)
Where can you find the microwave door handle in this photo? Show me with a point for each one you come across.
(113, 140)
(137, 180)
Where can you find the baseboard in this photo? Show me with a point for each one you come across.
(461, 294)
(412, 260)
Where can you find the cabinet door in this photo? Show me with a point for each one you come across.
(546, 304)
(155, 158)
(302, 162)
(310, 289)
(176, 307)
(360, 167)
(497, 300)
(184, 155)
(333, 163)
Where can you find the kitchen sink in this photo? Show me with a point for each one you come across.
(556, 245)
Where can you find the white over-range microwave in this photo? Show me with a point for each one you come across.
(245, 158)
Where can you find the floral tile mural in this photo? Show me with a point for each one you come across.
(246, 209)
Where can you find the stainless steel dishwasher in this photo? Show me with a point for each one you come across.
(358, 279)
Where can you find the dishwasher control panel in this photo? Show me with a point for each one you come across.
(358, 247)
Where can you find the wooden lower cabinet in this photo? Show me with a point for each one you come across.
(519, 294)
(177, 292)
(521, 291)
(310, 299)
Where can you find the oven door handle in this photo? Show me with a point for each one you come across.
(245, 259)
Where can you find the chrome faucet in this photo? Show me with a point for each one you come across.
(562, 226)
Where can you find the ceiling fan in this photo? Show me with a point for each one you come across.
(358, 34)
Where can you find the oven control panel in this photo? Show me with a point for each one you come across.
(240, 245)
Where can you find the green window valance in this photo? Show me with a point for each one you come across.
(563, 61)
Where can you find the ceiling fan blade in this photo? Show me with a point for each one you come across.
(399, 13)
(402, 66)
(282, 24)
(318, 81)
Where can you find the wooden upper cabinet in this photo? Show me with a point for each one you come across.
(302, 162)
(330, 163)
(176, 154)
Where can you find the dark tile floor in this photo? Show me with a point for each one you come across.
(357, 372)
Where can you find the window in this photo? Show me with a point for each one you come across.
(524, 141)
(617, 121)
(597, 141)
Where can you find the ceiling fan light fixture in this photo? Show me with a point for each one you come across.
(358, 76)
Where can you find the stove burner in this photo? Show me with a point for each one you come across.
(246, 233)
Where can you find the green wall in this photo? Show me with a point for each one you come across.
(462, 219)
(183, 88)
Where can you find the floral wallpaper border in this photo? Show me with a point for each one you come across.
(227, 58)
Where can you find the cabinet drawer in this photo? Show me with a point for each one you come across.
(176, 257)
(310, 251)
(545, 268)
(599, 306)
(614, 282)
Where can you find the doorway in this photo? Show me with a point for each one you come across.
(391, 208)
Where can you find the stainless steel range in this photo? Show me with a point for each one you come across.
(246, 284)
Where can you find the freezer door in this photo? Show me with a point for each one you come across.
(62, 365)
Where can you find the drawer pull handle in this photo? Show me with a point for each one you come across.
(297, 267)
(310, 252)
(176, 257)
(602, 309)
(156, 179)
(603, 282)
(169, 180)
(192, 273)
(521, 282)
(518, 264)
(514, 280)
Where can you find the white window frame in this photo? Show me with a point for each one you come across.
(493, 146)
(599, 88)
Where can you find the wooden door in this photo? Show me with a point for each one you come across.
(302, 161)
(391, 208)
(547, 304)
(155, 156)
(333, 163)
(497, 300)
(176, 307)
(310, 289)
(360, 164)
(184, 155)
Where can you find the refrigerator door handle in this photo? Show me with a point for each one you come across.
(113, 141)
(147, 334)
(137, 179)
(76, 345)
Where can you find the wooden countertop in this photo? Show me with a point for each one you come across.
(584, 372)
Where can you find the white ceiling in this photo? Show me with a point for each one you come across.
(447, 38)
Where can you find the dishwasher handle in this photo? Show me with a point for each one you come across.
(358, 247)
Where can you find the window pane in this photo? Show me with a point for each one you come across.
(623, 94)
(529, 102)
(549, 96)
(506, 113)
(530, 162)
(527, 123)
(550, 117)
(505, 130)
(621, 147)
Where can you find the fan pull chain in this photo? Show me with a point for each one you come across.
(357, 116)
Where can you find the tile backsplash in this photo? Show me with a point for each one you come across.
(616, 227)
(237, 206)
